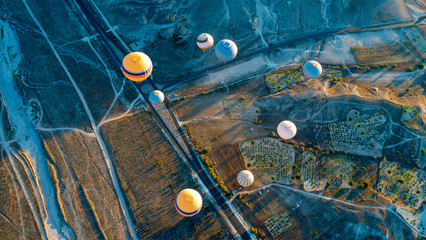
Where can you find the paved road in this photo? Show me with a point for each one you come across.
(237, 223)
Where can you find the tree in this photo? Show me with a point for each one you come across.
(351, 183)
(365, 184)
(294, 167)
(248, 164)
(363, 169)
(253, 142)
(205, 150)
(362, 132)
(421, 66)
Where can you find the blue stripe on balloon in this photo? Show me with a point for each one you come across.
(202, 41)
(136, 74)
(188, 213)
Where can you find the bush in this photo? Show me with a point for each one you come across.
(273, 134)
(407, 89)
(205, 150)
(216, 137)
(400, 181)
(258, 110)
(272, 178)
(410, 69)
(423, 151)
(365, 184)
(362, 132)
(405, 110)
(363, 169)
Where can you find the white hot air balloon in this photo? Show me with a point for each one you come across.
(156, 97)
(226, 50)
(312, 69)
(245, 178)
(286, 130)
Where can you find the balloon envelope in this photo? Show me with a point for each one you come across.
(245, 178)
(226, 50)
(312, 69)
(137, 66)
(156, 97)
(286, 130)
(205, 41)
(188, 202)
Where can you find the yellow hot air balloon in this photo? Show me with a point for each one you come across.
(188, 202)
(137, 66)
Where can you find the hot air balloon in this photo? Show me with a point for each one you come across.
(286, 130)
(312, 69)
(205, 41)
(156, 97)
(226, 50)
(245, 178)
(188, 202)
(137, 66)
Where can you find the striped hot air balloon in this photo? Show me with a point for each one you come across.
(286, 130)
(137, 66)
(205, 41)
(226, 50)
(312, 69)
(188, 202)
(245, 178)
(156, 97)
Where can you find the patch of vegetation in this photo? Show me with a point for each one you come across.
(258, 233)
(365, 184)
